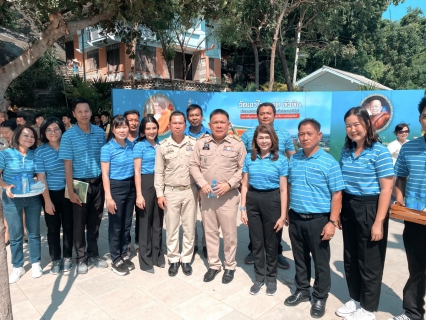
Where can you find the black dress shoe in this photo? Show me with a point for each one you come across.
(228, 276)
(318, 308)
(205, 252)
(296, 298)
(173, 269)
(210, 275)
(187, 269)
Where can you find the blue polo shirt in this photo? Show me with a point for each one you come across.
(285, 142)
(120, 159)
(411, 163)
(84, 149)
(13, 163)
(202, 131)
(264, 174)
(47, 161)
(313, 180)
(362, 174)
(145, 151)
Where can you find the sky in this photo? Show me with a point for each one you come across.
(397, 12)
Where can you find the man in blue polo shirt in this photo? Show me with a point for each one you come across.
(194, 113)
(80, 149)
(266, 114)
(411, 183)
(315, 184)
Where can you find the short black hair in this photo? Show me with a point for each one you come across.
(14, 143)
(193, 107)
(21, 115)
(266, 104)
(401, 126)
(47, 123)
(11, 123)
(177, 113)
(66, 115)
(422, 105)
(133, 111)
(105, 113)
(310, 121)
(38, 115)
(75, 102)
(219, 111)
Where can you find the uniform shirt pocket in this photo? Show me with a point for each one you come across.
(171, 160)
(228, 159)
(315, 176)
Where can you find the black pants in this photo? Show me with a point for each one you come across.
(305, 236)
(87, 220)
(279, 248)
(364, 259)
(263, 211)
(124, 195)
(414, 291)
(150, 227)
(62, 217)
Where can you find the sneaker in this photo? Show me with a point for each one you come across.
(56, 267)
(128, 263)
(119, 267)
(271, 288)
(361, 314)
(37, 270)
(82, 267)
(67, 264)
(255, 288)
(249, 258)
(401, 317)
(16, 274)
(282, 262)
(97, 262)
(348, 308)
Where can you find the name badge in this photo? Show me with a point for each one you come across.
(228, 148)
(188, 148)
(170, 150)
(206, 146)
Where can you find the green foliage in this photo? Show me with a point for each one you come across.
(278, 87)
(9, 17)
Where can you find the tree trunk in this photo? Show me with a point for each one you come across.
(256, 65)
(281, 55)
(5, 303)
(56, 29)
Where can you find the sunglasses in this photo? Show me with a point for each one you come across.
(403, 131)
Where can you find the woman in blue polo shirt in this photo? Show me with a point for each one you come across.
(264, 192)
(57, 209)
(15, 162)
(119, 186)
(368, 174)
(148, 212)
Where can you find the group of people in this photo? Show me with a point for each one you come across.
(308, 191)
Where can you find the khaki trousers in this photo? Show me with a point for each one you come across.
(221, 212)
(181, 207)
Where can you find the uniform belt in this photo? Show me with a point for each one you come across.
(179, 188)
(96, 180)
(261, 190)
(312, 215)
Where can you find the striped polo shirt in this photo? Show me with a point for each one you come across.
(313, 180)
(47, 161)
(84, 149)
(264, 174)
(13, 164)
(145, 151)
(285, 142)
(120, 159)
(411, 163)
(202, 131)
(362, 174)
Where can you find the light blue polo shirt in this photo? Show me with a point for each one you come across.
(13, 163)
(47, 161)
(202, 131)
(362, 174)
(84, 149)
(411, 163)
(313, 180)
(145, 151)
(285, 142)
(264, 174)
(120, 159)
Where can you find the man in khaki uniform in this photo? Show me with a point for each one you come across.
(219, 157)
(176, 193)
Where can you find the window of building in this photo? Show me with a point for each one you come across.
(113, 57)
(93, 60)
(145, 60)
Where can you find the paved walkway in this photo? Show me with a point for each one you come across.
(101, 294)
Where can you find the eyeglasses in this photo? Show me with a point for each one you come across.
(403, 131)
(56, 130)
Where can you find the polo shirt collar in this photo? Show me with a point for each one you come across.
(269, 156)
(202, 130)
(316, 155)
(78, 129)
(118, 146)
(148, 144)
(423, 142)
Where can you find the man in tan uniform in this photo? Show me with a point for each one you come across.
(219, 157)
(176, 193)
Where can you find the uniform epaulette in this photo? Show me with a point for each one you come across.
(192, 138)
(235, 137)
(163, 141)
(204, 136)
